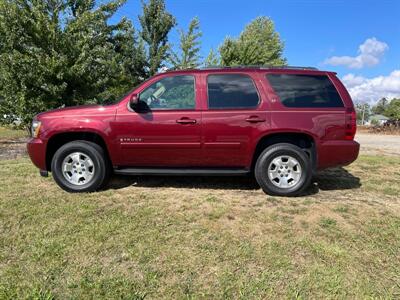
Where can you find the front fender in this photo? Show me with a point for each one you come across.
(83, 128)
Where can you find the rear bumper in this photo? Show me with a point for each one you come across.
(337, 153)
(37, 152)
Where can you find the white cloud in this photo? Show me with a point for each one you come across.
(370, 53)
(351, 80)
(371, 90)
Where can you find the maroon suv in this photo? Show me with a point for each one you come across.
(282, 124)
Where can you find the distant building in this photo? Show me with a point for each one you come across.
(377, 120)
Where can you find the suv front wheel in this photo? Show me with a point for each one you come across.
(283, 170)
(80, 166)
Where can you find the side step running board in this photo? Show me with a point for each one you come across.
(181, 172)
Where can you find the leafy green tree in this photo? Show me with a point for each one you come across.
(393, 109)
(211, 59)
(63, 52)
(380, 107)
(189, 47)
(258, 44)
(156, 23)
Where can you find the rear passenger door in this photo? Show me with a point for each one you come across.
(233, 117)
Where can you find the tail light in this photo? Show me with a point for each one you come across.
(351, 124)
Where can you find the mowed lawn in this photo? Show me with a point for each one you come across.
(177, 237)
(9, 133)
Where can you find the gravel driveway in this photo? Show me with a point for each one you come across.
(379, 144)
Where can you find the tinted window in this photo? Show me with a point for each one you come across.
(231, 91)
(305, 90)
(175, 92)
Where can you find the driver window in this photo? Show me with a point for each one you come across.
(175, 92)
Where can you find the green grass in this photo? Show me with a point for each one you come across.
(327, 222)
(201, 238)
(9, 133)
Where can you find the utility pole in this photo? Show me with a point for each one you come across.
(363, 114)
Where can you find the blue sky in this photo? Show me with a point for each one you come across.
(313, 30)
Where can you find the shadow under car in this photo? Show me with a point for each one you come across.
(329, 179)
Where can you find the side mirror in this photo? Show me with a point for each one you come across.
(134, 101)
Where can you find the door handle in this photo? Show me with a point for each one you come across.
(254, 119)
(186, 121)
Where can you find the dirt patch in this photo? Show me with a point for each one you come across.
(12, 148)
(380, 130)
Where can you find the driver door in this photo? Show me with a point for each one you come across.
(165, 130)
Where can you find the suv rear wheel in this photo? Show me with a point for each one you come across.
(80, 166)
(283, 170)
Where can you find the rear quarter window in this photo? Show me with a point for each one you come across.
(298, 90)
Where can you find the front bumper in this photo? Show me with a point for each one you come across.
(37, 152)
(337, 153)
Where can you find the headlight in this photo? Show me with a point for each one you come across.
(35, 128)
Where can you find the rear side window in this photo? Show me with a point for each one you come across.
(230, 91)
(305, 90)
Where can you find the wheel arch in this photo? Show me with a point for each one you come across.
(60, 139)
(303, 140)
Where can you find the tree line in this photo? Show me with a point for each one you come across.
(56, 53)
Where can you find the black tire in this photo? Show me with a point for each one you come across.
(273, 152)
(97, 156)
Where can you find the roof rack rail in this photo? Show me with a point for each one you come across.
(260, 67)
(292, 67)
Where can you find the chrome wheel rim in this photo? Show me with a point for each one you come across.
(284, 171)
(78, 168)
